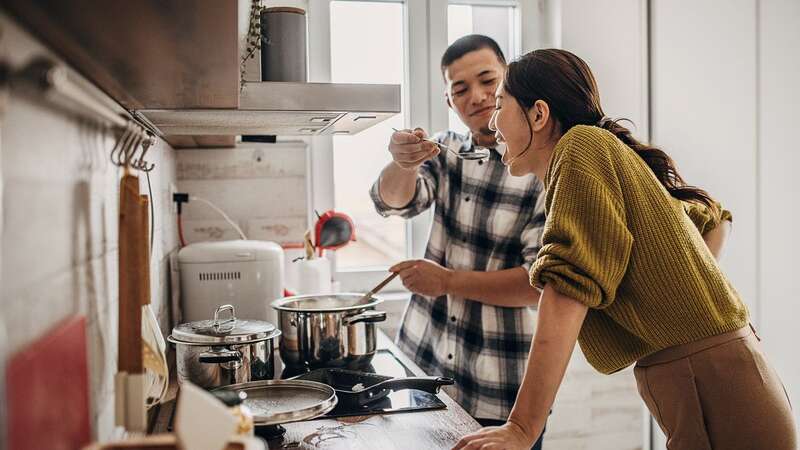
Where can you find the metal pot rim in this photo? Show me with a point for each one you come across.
(280, 304)
(211, 341)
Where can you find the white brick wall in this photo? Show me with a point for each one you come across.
(59, 234)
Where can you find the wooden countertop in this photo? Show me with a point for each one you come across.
(433, 429)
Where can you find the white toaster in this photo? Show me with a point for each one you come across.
(243, 273)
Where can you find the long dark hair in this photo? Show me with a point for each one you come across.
(566, 84)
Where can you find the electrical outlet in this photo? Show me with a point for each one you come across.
(173, 206)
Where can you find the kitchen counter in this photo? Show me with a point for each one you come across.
(433, 429)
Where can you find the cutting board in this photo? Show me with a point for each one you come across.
(47, 391)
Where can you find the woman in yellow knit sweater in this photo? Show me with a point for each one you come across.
(625, 271)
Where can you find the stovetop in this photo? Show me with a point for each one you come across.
(383, 363)
(386, 364)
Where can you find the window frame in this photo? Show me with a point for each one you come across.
(425, 27)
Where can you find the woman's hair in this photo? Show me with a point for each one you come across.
(566, 84)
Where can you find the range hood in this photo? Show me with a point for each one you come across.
(287, 109)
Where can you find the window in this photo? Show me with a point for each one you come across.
(366, 47)
(500, 22)
(397, 42)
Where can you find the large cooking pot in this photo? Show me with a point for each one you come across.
(335, 330)
(219, 352)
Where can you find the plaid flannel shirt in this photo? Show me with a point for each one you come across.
(484, 220)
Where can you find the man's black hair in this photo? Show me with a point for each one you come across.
(470, 43)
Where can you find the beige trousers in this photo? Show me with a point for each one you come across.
(717, 393)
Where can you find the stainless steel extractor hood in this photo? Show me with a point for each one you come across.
(287, 109)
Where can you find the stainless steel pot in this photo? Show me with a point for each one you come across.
(219, 352)
(335, 330)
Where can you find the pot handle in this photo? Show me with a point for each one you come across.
(220, 357)
(227, 324)
(366, 317)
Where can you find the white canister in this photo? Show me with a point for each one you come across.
(314, 276)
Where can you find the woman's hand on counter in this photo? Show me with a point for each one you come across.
(506, 437)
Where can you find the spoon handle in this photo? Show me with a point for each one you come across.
(441, 145)
(380, 286)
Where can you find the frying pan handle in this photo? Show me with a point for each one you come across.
(366, 317)
(380, 390)
(427, 384)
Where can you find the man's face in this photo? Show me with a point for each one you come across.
(471, 83)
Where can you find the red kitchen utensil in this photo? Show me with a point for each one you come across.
(47, 391)
(333, 230)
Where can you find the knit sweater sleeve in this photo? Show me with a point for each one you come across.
(704, 218)
(586, 242)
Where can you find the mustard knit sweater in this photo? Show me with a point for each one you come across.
(616, 241)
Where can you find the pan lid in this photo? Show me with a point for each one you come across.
(223, 330)
(274, 402)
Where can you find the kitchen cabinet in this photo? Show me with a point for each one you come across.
(148, 53)
(430, 430)
(175, 66)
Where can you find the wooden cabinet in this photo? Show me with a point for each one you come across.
(170, 54)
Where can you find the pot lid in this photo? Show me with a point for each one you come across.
(325, 303)
(223, 330)
(274, 402)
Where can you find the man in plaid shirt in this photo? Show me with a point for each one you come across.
(469, 317)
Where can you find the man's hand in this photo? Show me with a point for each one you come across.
(424, 277)
(409, 150)
(506, 437)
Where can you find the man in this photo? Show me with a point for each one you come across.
(469, 317)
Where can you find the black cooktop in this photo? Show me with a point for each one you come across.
(383, 363)
(386, 364)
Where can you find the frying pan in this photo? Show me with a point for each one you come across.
(360, 388)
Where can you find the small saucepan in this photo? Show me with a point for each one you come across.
(223, 351)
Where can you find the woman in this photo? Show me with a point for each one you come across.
(625, 271)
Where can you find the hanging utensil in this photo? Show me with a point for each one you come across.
(133, 276)
(154, 348)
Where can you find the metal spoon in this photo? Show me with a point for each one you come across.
(478, 153)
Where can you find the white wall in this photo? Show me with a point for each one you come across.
(724, 99)
(262, 187)
(708, 123)
(611, 37)
(59, 228)
(778, 163)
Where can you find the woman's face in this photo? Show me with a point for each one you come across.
(529, 135)
(510, 128)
